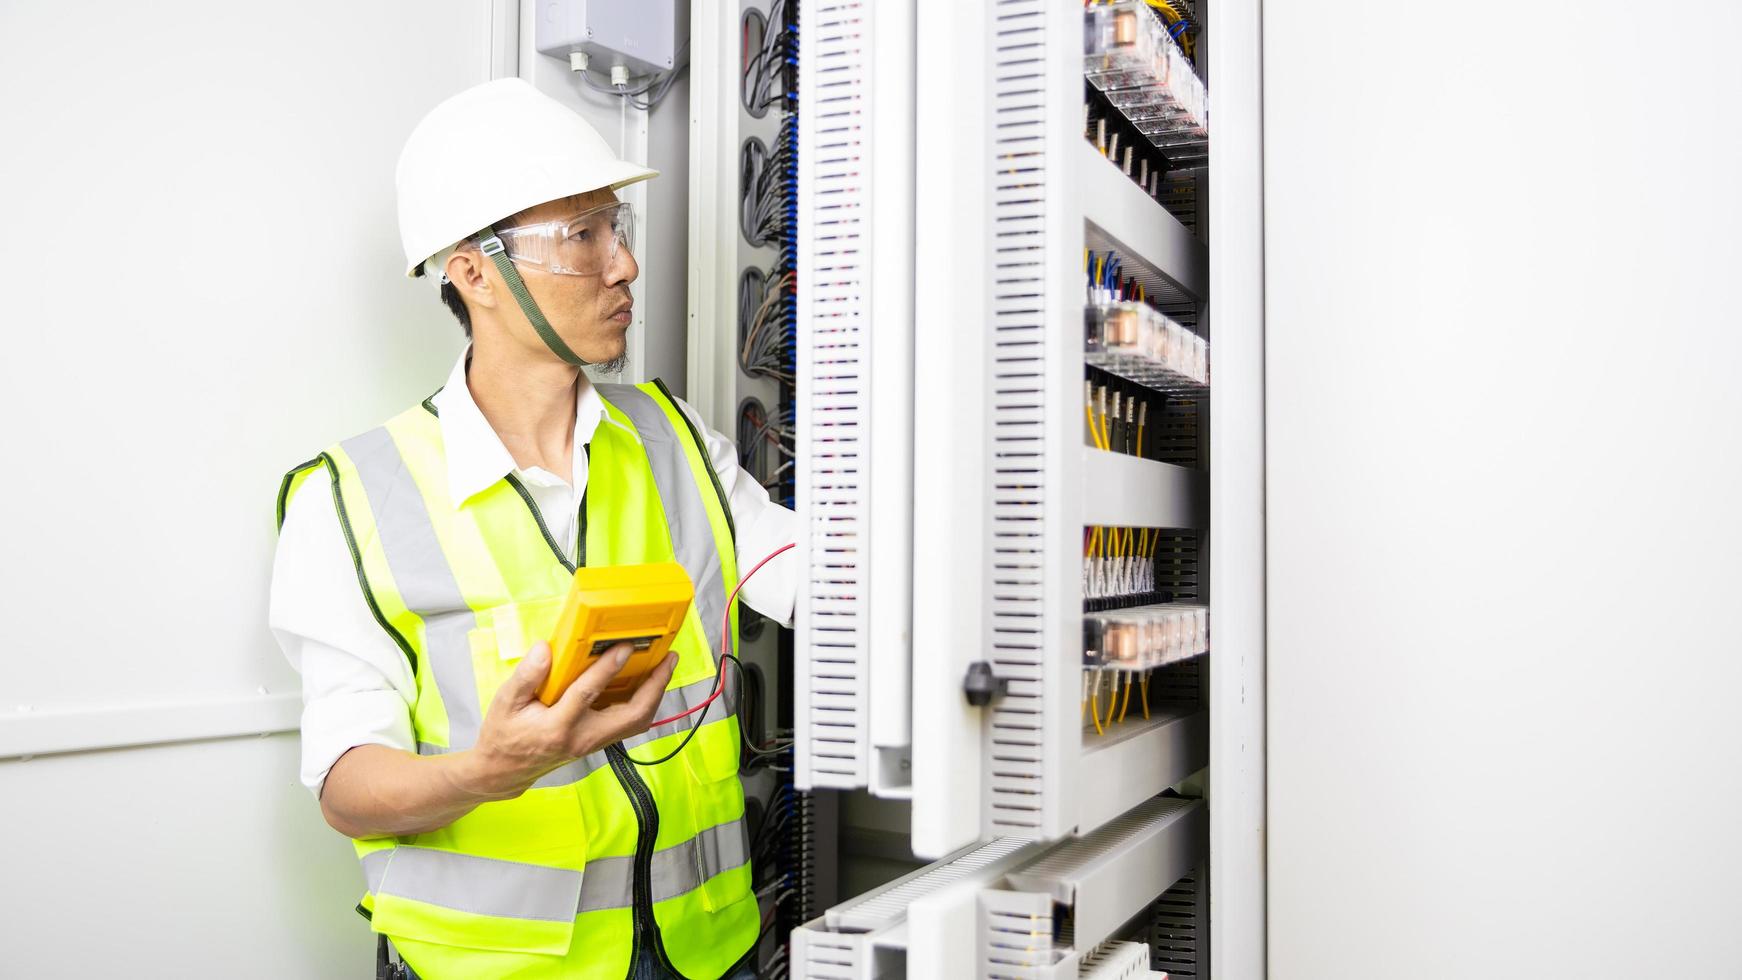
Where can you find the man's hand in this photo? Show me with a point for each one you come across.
(375, 791)
(521, 739)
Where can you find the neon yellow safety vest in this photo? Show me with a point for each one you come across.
(601, 857)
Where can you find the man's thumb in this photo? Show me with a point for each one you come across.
(522, 685)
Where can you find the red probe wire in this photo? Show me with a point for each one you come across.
(726, 637)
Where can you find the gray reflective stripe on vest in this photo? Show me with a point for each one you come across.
(489, 886)
(420, 569)
(480, 885)
(375, 866)
(674, 701)
(721, 847)
(692, 534)
(676, 871)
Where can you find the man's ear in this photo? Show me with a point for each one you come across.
(465, 269)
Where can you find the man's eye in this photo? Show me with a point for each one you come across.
(585, 234)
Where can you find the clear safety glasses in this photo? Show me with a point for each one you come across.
(582, 245)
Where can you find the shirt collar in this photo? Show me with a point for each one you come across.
(476, 457)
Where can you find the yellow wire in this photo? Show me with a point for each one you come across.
(1140, 439)
(1095, 713)
(1094, 430)
(1126, 704)
(1113, 701)
(1166, 8)
(1146, 694)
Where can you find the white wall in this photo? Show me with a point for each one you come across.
(657, 339)
(1503, 430)
(203, 289)
(667, 256)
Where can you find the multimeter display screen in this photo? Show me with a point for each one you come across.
(638, 642)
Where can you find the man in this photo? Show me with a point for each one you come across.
(421, 565)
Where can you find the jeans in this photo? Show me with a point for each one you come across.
(646, 967)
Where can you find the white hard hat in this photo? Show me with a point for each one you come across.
(489, 152)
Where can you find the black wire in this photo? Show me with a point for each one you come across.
(767, 846)
(749, 708)
(703, 717)
(743, 732)
(680, 746)
(718, 677)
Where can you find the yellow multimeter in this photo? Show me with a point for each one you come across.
(643, 605)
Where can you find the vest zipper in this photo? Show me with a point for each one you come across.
(538, 518)
(580, 519)
(647, 832)
(640, 797)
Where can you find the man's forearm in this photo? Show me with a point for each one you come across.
(375, 791)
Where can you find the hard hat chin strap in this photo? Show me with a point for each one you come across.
(493, 247)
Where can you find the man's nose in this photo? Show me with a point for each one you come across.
(623, 269)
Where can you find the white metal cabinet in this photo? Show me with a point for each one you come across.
(946, 197)
(1008, 196)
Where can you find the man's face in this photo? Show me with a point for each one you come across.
(590, 312)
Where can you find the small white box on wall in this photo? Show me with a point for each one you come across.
(641, 35)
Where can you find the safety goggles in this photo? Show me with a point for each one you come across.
(584, 244)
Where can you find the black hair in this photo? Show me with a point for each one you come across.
(457, 306)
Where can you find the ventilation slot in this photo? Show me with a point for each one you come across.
(1115, 961)
(1016, 936)
(1176, 565)
(822, 956)
(1178, 433)
(1019, 166)
(1178, 929)
(1178, 685)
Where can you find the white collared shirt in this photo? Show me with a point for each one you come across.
(357, 688)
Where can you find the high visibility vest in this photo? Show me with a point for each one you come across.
(600, 858)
